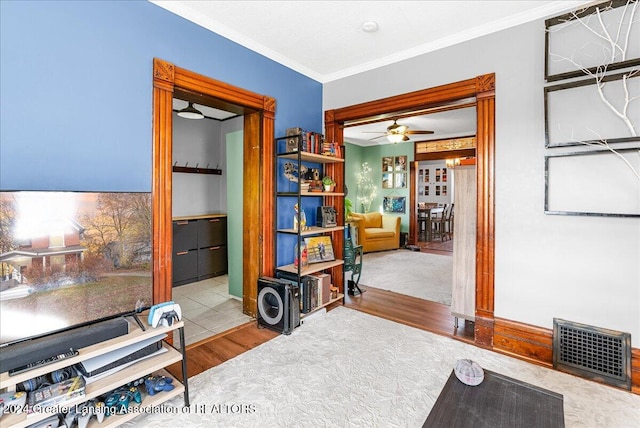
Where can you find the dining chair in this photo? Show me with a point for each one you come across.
(445, 222)
(422, 223)
(437, 222)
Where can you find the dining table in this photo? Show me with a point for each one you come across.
(426, 216)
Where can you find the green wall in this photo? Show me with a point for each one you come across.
(357, 155)
(353, 161)
(235, 156)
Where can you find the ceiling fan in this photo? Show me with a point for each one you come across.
(397, 133)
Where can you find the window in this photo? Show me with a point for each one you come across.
(56, 240)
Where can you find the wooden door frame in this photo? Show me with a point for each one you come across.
(259, 117)
(482, 89)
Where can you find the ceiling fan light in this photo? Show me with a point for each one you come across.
(395, 128)
(395, 138)
(190, 112)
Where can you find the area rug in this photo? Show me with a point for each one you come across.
(423, 275)
(351, 369)
(498, 402)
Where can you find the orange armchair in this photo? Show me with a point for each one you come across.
(377, 232)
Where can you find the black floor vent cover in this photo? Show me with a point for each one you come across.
(592, 352)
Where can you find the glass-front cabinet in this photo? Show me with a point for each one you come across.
(433, 182)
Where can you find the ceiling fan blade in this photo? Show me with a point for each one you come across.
(380, 136)
(373, 132)
(419, 132)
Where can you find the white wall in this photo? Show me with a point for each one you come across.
(198, 142)
(583, 269)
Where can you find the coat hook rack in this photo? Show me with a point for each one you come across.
(196, 170)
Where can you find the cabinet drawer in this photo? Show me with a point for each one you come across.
(185, 235)
(185, 267)
(212, 261)
(212, 232)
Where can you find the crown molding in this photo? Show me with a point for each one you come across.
(183, 10)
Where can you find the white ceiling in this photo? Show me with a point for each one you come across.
(324, 40)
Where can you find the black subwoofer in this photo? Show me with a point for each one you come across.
(278, 304)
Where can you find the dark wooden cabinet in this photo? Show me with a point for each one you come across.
(185, 267)
(212, 261)
(185, 235)
(212, 232)
(199, 249)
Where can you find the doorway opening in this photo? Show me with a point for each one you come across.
(481, 92)
(258, 112)
(207, 248)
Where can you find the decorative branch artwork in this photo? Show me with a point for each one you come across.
(605, 108)
(366, 188)
(593, 112)
(593, 108)
(592, 41)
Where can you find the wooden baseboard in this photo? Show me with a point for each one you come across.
(635, 370)
(535, 344)
(528, 342)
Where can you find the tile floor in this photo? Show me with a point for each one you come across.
(208, 309)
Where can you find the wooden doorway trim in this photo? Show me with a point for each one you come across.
(259, 117)
(482, 89)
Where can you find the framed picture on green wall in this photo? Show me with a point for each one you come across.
(387, 180)
(394, 204)
(400, 163)
(387, 163)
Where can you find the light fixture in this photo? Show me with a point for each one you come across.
(370, 27)
(395, 138)
(397, 133)
(190, 112)
(452, 163)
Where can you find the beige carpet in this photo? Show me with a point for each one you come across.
(353, 370)
(423, 275)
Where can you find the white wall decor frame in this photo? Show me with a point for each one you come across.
(576, 115)
(593, 183)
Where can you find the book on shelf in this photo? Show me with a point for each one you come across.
(324, 287)
(307, 141)
(309, 293)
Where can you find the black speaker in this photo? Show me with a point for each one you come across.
(278, 304)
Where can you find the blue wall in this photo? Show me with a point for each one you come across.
(76, 86)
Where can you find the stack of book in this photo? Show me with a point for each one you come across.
(310, 142)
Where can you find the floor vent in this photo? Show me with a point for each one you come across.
(592, 352)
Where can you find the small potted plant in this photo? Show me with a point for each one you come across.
(328, 183)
